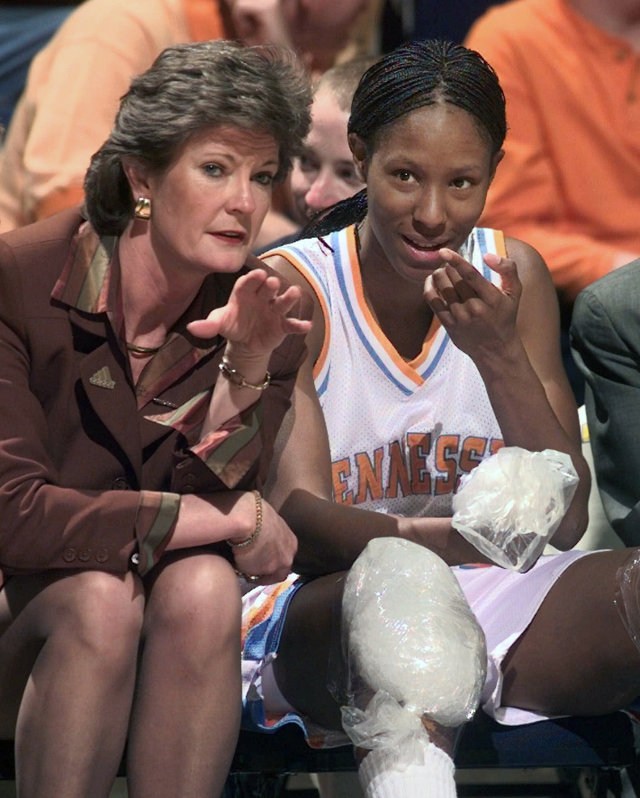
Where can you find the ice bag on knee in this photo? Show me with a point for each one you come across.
(512, 503)
(412, 641)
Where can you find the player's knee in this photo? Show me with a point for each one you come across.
(627, 598)
(411, 633)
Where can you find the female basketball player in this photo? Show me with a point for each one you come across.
(435, 342)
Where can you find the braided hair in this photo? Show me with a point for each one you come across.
(412, 76)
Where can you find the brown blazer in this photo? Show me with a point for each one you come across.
(76, 452)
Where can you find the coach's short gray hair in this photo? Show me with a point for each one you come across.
(188, 88)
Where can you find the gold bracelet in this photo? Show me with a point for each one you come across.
(235, 378)
(242, 544)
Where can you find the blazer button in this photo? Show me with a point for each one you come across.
(69, 555)
(84, 555)
(120, 483)
(102, 555)
(189, 484)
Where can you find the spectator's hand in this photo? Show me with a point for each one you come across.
(255, 318)
(270, 555)
(479, 317)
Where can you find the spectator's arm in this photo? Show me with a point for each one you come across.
(607, 353)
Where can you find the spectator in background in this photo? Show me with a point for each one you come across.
(569, 180)
(76, 81)
(568, 184)
(325, 172)
(24, 29)
(605, 335)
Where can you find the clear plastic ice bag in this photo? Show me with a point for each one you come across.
(411, 638)
(512, 503)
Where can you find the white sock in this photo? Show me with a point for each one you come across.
(381, 777)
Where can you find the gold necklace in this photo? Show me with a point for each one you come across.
(142, 351)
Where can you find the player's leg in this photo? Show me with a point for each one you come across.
(577, 656)
(407, 692)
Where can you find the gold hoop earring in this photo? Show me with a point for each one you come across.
(143, 208)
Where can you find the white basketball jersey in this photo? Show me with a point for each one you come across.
(401, 433)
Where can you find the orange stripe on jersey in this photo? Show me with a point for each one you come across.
(324, 351)
(501, 247)
(434, 329)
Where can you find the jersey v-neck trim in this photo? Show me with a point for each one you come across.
(406, 375)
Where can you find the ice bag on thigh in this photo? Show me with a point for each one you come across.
(512, 503)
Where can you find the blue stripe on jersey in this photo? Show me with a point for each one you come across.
(482, 237)
(320, 389)
(436, 358)
(481, 234)
(486, 273)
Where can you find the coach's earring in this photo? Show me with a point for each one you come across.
(143, 208)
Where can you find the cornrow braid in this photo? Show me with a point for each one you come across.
(415, 75)
(344, 213)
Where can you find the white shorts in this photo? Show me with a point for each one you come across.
(504, 602)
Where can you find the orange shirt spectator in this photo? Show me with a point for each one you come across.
(568, 183)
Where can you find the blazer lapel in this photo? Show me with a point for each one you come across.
(168, 399)
(109, 393)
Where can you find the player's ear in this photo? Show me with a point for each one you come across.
(359, 152)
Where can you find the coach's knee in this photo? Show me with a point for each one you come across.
(101, 615)
(196, 600)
